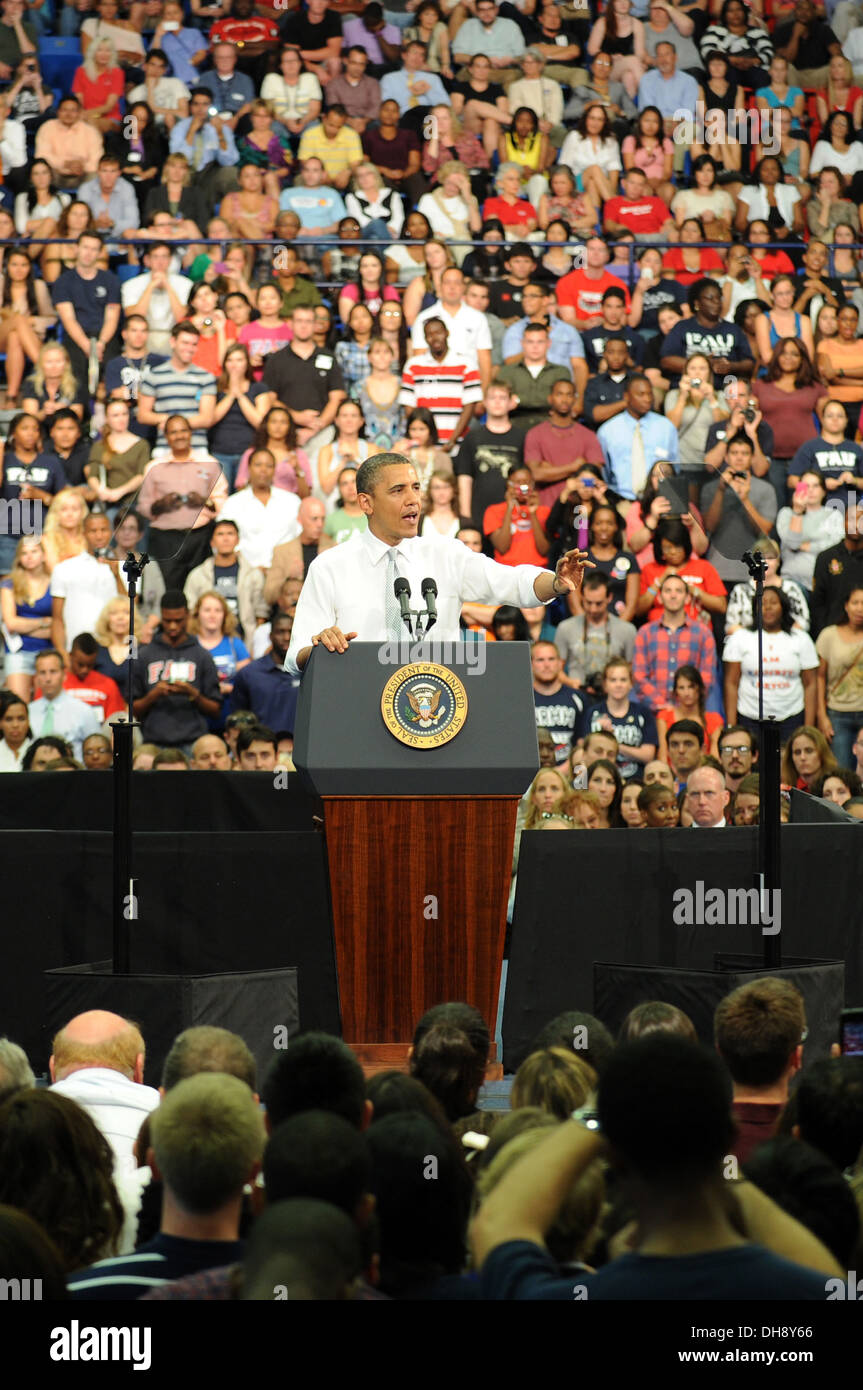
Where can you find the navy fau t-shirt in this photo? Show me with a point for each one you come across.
(724, 339)
(46, 472)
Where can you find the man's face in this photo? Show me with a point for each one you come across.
(595, 604)
(224, 58)
(618, 683)
(49, 675)
(356, 64)
(437, 338)
(128, 535)
(303, 323)
(663, 813)
(497, 403)
(597, 253)
(706, 796)
(160, 259)
(260, 756)
(614, 313)
(209, 754)
(520, 267)
(332, 123)
(108, 176)
(533, 301)
(545, 663)
(413, 57)
(635, 185)
(534, 346)
(736, 755)
(155, 68)
(43, 756)
(173, 623)
(473, 540)
(600, 746)
(639, 397)
(65, 434)
(199, 106)
(224, 541)
(486, 12)
(452, 287)
(616, 356)
(562, 397)
(179, 436)
(97, 533)
(135, 336)
(657, 771)
(710, 301)
(97, 753)
(394, 506)
(262, 470)
(280, 637)
(311, 516)
(666, 58)
(684, 750)
(89, 251)
(739, 457)
(477, 297)
(68, 113)
(81, 664)
(673, 596)
(185, 347)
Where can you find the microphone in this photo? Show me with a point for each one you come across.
(429, 592)
(402, 591)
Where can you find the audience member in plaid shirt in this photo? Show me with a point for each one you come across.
(661, 648)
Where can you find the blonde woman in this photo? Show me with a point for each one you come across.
(841, 93)
(425, 289)
(112, 634)
(378, 209)
(99, 85)
(118, 460)
(452, 210)
(214, 626)
(52, 386)
(63, 536)
(177, 195)
(25, 608)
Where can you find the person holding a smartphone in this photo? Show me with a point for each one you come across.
(516, 526)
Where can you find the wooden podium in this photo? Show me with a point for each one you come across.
(419, 830)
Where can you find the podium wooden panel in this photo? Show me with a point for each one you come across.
(419, 894)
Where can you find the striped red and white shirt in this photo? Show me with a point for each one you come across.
(444, 388)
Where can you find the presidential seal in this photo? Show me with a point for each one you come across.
(424, 705)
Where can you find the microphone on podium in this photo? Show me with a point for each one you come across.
(402, 591)
(429, 593)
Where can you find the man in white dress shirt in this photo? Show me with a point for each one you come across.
(266, 515)
(348, 590)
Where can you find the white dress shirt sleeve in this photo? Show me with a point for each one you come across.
(316, 609)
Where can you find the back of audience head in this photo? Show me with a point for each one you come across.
(450, 1054)
(56, 1166)
(579, 1030)
(28, 1256)
(665, 1109)
(16, 1074)
(207, 1049)
(810, 1188)
(654, 1016)
(98, 1038)
(317, 1072)
(207, 1139)
(828, 1109)
(758, 1030)
(555, 1080)
(320, 1155)
(307, 1248)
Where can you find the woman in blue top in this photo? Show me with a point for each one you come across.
(782, 321)
(213, 624)
(779, 94)
(25, 605)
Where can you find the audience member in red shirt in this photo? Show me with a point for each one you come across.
(639, 211)
(516, 526)
(100, 692)
(579, 294)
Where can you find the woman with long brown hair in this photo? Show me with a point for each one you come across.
(118, 461)
(73, 220)
(425, 289)
(241, 408)
(278, 433)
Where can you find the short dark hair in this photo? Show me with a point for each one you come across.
(757, 1027)
(317, 1072)
(369, 471)
(337, 109)
(185, 326)
(257, 733)
(829, 1108)
(226, 521)
(318, 1154)
(172, 599)
(595, 580)
(684, 1083)
(738, 729)
(85, 643)
(64, 414)
(560, 1032)
(687, 726)
(809, 1188)
(613, 292)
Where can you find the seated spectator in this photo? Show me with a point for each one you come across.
(208, 144)
(15, 733)
(395, 151)
(451, 209)
(175, 682)
(593, 154)
(100, 84)
(294, 94)
(449, 1056)
(210, 754)
(158, 296)
(69, 144)
(166, 97)
(686, 1160)
(638, 211)
(759, 1031)
(97, 1060)
(97, 753)
(658, 805)
(57, 1169)
(278, 433)
(265, 687)
(98, 693)
(563, 202)
(317, 1072)
(207, 1142)
(529, 149)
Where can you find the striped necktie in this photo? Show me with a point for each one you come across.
(392, 607)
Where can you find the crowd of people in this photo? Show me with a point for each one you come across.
(252, 248)
(308, 1181)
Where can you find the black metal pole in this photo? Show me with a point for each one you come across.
(769, 818)
(123, 898)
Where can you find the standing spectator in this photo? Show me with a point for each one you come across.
(307, 381)
(97, 693)
(25, 608)
(57, 711)
(840, 680)
(180, 496)
(467, 328)
(673, 641)
(579, 294)
(515, 526)
(488, 453)
(723, 343)
(589, 641)
(759, 1030)
(836, 459)
(87, 301)
(214, 626)
(81, 587)
(633, 440)
(265, 515)
(178, 387)
(442, 381)
(807, 527)
(532, 381)
(265, 687)
(28, 475)
(175, 682)
(632, 724)
(558, 708)
(738, 509)
(790, 666)
(230, 575)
